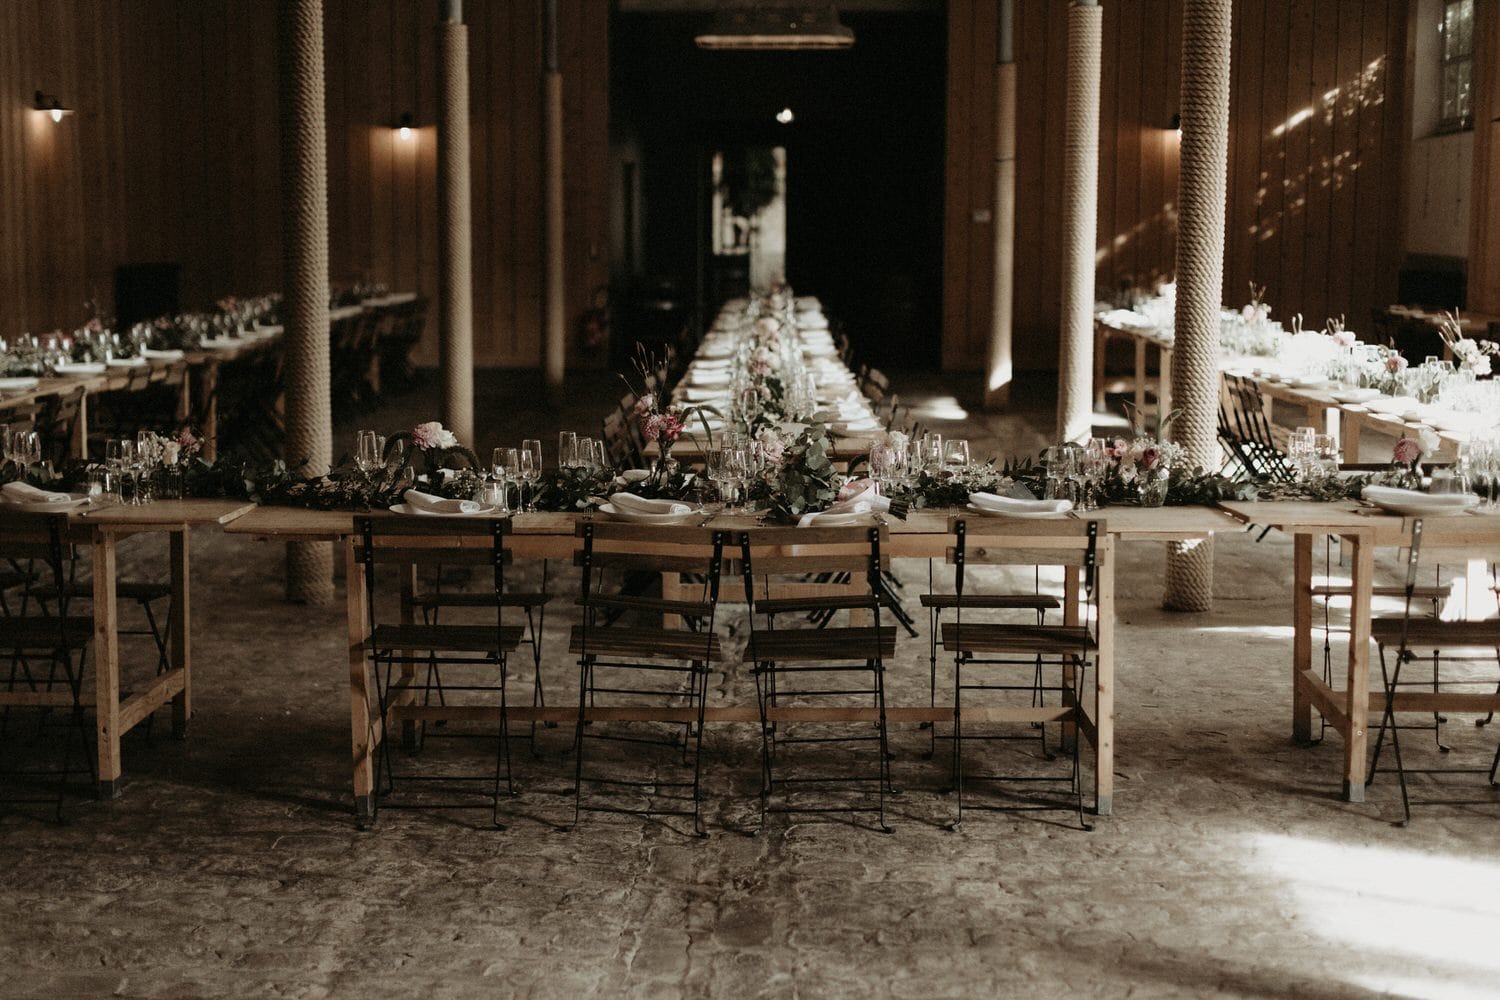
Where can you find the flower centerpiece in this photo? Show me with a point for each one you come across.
(439, 449)
(1406, 459)
(1148, 459)
(660, 423)
(1468, 354)
(802, 480)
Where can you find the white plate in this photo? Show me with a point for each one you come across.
(163, 355)
(855, 427)
(126, 362)
(406, 508)
(19, 384)
(1412, 504)
(80, 369)
(839, 520)
(1354, 395)
(1023, 515)
(74, 501)
(611, 511)
(226, 344)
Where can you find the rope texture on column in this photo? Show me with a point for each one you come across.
(1075, 391)
(304, 227)
(455, 261)
(1200, 272)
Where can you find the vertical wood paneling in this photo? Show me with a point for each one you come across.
(1316, 133)
(172, 154)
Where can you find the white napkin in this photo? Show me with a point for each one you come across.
(702, 394)
(438, 505)
(1007, 505)
(835, 510)
(701, 376)
(864, 491)
(26, 493)
(1390, 494)
(633, 504)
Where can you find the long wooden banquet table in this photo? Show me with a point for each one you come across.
(1345, 421)
(1363, 530)
(117, 711)
(923, 535)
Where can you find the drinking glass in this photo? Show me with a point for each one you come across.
(367, 451)
(956, 454)
(114, 461)
(533, 449)
(5, 452)
(1325, 456)
(526, 473)
(713, 466)
(881, 459)
(129, 471)
(101, 484)
(567, 449)
(505, 463)
(737, 472)
(601, 457)
(583, 456)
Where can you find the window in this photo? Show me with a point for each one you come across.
(1457, 65)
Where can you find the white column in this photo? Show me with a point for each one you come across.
(1000, 371)
(455, 258)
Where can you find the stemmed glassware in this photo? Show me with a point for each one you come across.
(713, 466)
(369, 452)
(956, 455)
(737, 471)
(505, 464)
(531, 467)
(567, 449)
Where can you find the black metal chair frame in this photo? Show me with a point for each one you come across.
(1074, 664)
(623, 651)
(846, 650)
(1391, 676)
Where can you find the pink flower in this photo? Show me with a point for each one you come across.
(1395, 364)
(228, 304)
(855, 487)
(163, 323)
(188, 442)
(1407, 451)
(770, 446)
(1150, 456)
(94, 325)
(432, 435)
(645, 404)
(1343, 338)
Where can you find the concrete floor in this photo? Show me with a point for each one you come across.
(231, 867)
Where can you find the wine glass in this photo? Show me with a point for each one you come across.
(736, 478)
(713, 464)
(129, 470)
(367, 451)
(567, 449)
(526, 472)
(601, 457)
(1325, 456)
(583, 456)
(956, 454)
(533, 448)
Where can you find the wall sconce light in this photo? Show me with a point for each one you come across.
(785, 116)
(404, 127)
(1176, 125)
(52, 106)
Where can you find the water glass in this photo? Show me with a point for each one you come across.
(369, 451)
(567, 449)
(531, 466)
(505, 463)
(956, 454)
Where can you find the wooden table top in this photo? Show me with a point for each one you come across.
(1352, 518)
(165, 513)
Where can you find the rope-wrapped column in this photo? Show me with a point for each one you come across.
(1000, 370)
(555, 345)
(1075, 391)
(1200, 273)
(304, 234)
(456, 297)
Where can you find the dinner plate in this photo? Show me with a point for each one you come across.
(1410, 503)
(1024, 515)
(126, 362)
(406, 508)
(1354, 395)
(225, 344)
(611, 511)
(163, 355)
(839, 520)
(19, 384)
(856, 427)
(79, 369)
(74, 501)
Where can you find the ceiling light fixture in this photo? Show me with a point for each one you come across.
(785, 116)
(777, 27)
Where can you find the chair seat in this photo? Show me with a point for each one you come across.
(455, 638)
(833, 644)
(469, 600)
(1431, 632)
(999, 638)
(1385, 590)
(132, 590)
(1033, 602)
(830, 602)
(645, 643)
(44, 634)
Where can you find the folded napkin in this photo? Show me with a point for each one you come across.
(632, 504)
(438, 505)
(836, 510)
(997, 504)
(1390, 494)
(864, 491)
(26, 493)
(702, 376)
(703, 394)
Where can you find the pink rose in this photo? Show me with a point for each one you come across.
(1395, 364)
(188, 442)
(1407, 451)
(1150, 457)
(1343, 338)
(431, 435)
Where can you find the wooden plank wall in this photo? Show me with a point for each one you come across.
(1484, 231)
(172, 154)
(1317, 113)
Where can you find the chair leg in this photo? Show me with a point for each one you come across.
(583, 692)
(958, 742)
(698, 828)
(762, 698)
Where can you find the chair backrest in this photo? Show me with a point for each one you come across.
(807, 561)
(27, 540)
(605, 546)
(431, 541)
(997, 541)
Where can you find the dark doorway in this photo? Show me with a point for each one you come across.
(864, 148)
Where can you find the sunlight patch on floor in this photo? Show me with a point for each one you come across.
(1390, 907)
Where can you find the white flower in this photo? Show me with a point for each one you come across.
(1428, 439)
(1480, 365)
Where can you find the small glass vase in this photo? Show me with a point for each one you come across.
(665, 467)
(169, 482)
(1153, 488)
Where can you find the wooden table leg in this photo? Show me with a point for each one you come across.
(1301, 637)
(106, 664)
(1164, 383)
(1140, 373)
(1104, 685)
(365, 734)
(1351, 426)
(181, 624)
(1357, 707)
(208, 387)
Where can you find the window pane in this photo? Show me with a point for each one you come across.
(1466, 27)
(1450, 93)
(1465, 73)
(1450, 31)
